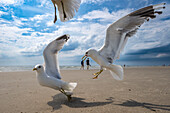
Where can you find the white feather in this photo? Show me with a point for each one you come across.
(70, 7)
(52, 82)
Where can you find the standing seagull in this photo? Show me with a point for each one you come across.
(66, 9)
(49, 76)
(117, 36)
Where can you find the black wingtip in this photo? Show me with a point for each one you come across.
(158, 12)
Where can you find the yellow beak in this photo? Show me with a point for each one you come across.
(84, 57)
(34, 69)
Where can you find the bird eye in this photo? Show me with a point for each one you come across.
(39, 66)
(86, 53)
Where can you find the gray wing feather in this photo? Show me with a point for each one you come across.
(51, 61)
(50, 54)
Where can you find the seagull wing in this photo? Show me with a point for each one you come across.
(119, 32)
(50, 56)
(69, 7)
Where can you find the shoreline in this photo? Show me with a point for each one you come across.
(77, 68)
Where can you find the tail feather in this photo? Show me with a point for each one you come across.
(116, 71)
(69, 86)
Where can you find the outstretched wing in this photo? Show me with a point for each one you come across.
(50, 56)
(67, 8)
(119, 32)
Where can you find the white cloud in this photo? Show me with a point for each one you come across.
(4, 21)
(3, 13)
(97, 14)
(10, 37)
(162, 55)
(17, 21)
(45, 3)
(39, 17)
(94, 1)
(154, 55)
(11, 32)
(23, 19)
(50, 23)
(11, 2)
(151, 34)
(104, 15)
(148, 45)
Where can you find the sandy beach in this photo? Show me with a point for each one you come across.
(143, 90)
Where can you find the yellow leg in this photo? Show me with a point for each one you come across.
(97, 74)
(84, 58)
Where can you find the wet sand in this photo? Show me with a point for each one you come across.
(143, 90)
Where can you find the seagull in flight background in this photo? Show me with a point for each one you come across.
(117, 36)
(66, 9)
(49, 76)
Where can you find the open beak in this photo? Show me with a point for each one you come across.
(84, 57)
(34, 69)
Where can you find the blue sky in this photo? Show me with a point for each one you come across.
(26, 27)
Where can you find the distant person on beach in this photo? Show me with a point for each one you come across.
(88, 63)
(82, 65)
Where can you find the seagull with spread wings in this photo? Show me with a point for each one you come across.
(66, 9)
(49, 76)
(117, 35)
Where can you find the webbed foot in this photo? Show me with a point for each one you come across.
(95, 77)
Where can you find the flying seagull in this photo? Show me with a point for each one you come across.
(49, 76)
(66, 9)
(117, 35)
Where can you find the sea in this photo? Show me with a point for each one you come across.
(29, 68)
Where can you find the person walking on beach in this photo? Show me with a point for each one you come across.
(88, 63)
(82, 65)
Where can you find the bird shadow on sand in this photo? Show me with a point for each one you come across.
(76, 102)
(150, 106)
